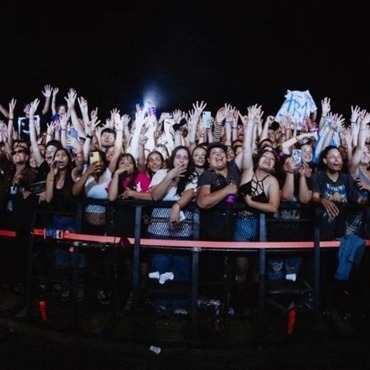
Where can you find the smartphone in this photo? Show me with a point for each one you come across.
(297, 157)
(206, 119)
(94, 157)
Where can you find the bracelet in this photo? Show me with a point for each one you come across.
(178, 204)
(63, 129)
(10, 118)
(89, 136)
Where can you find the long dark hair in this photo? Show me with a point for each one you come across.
(68, 181)
(170, 165)
(124, 175)
(150, 172)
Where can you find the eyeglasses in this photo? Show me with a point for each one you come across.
(18, 151)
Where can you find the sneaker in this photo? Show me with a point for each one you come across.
(102, 296)
(181, 311)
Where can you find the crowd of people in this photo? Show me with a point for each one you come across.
(53, 157)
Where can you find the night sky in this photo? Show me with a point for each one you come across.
(236, 52)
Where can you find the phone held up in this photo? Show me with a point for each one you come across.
(94, 156)
(206, 119)
(297, 157)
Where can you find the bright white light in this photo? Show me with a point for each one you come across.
(152, 97)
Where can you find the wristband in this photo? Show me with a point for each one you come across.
(178, 204)
(89, 136)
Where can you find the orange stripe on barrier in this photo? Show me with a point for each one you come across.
(170, 243)
(164, 243)
(8, 233)
(200, 244)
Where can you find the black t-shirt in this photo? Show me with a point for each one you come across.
(217, 223)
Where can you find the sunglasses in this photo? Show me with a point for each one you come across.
(18, 151)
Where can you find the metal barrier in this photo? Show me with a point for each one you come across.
(195, 246)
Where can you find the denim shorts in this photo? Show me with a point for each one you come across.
(246, 229)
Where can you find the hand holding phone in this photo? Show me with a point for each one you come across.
(206, 119)
(94, 157)
(297, 157)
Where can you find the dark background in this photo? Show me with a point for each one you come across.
(236, 52)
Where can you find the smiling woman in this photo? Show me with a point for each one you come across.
(173, 184)
(335, 190)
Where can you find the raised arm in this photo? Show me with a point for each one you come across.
(140, 120)
(63, 122)
(265, 128)
(363, 134)
(118, 127)
(218, 125)
(9, 141)
(325, 110)
(70, 100)
(33, 138)
(249, 123)
(47, 95)
(53, 100)
(90, 133)
(194, 119)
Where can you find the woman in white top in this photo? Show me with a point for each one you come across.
(173, 184)
(93, 184)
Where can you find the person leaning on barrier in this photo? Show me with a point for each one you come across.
(93, 184)
(215, 184)
(337, 213)
(259, 189)
(359, 162)
(18, 170)
(334, 189)
(173, 184)
(219, 179)
(58, 195)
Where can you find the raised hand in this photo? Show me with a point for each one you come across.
(47, 91)
(221, 115)
(325, 106)
(355, 113)
(33, 106)
(198, 108)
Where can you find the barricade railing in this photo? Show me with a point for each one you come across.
(194, 246)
